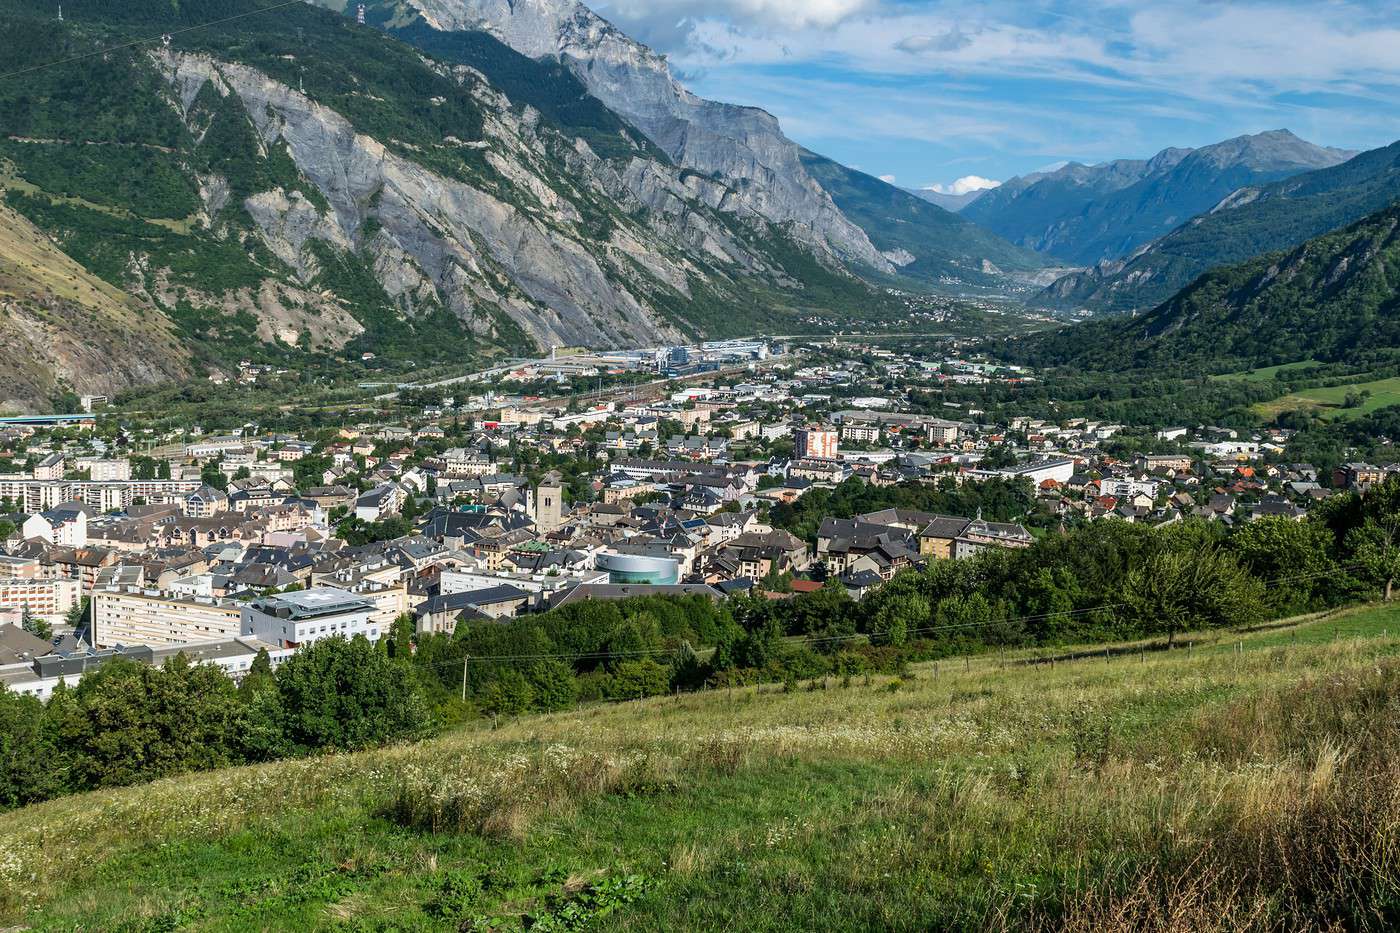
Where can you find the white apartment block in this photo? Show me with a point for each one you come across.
(860, 433)
(31, 495)
(387, 596)
(213, 446)
(102, 470)
(134, 616)
(770, 432)
(64, 529)
(1127, 488)
(49, 468)
(462, 462)
(942, 432)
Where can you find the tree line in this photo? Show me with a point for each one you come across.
(128, 723)
(998, 499)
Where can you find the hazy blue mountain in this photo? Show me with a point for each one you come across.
(1248, 222)
(1086, 214)
(923, 240)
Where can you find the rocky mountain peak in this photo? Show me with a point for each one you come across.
(1272, 150)
(744, 145)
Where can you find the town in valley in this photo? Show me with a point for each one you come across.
(125, 542)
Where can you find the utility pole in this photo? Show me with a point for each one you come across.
(465, 659)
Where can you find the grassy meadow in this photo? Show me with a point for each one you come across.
(1328, 400)
(1267, 373)
(1243, 781)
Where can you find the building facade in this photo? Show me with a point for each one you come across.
(136, 616)
(816, 443)
(292, 620)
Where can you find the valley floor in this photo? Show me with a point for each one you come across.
(1245, 782)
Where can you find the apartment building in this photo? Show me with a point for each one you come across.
(816, 443)
(292, 620)
(136, 616)
(46, 599)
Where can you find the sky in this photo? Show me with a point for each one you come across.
(961, 95)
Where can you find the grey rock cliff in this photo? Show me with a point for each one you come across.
(744, 146)
(438, 239)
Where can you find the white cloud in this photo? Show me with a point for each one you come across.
(965, 184)
(799, 13)
(887, 179)
(670, 22)
(1196, 50)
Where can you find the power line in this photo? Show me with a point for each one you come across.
(152, 39)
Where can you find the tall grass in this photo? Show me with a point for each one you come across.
(1285, 816)
(1179, 791)
(505, 800)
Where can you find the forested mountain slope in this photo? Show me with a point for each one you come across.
(830, 209)
(1251, 221)
(1325, 299)
(64, 331)
(290, 185)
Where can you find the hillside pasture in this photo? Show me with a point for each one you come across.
(1242, 781)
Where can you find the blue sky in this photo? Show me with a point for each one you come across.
(926, 91)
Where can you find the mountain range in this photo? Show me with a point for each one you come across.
(1328, 299)
(1248, 222)
(465, 179)
(1084, 214)
(924, 241)
(455, 179)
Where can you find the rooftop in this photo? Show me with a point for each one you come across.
(313, 603)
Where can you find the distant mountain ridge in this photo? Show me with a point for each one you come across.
(1325, 299)
(949, 202)
(922, 240)
(1087, 214)
(1248, 222)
